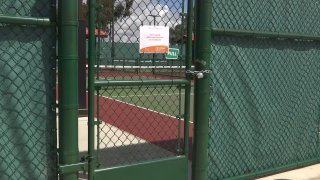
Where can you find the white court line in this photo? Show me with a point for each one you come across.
(147, 95)
(139, 67)
(144, 108)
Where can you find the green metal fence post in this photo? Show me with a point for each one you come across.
(68, 85)
(188, 86)
(91, 63)
(98, 62)
(201, 119)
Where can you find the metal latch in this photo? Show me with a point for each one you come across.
(198, 74)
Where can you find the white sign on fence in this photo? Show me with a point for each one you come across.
(154, 39)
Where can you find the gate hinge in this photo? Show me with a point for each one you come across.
(198, 74)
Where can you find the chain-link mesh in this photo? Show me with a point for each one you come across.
(271, 16)
(139, 122)
(30, 8)
(264, 110)
(119, 49)
(27, 76)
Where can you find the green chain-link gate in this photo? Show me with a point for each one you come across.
(137, 102)
(264, 90)
(27, 90)
(264, 109)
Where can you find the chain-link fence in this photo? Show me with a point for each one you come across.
(119, 47)
(27, 97)
(268, 16)
(139, 121)
(264, 111)
(139, 124)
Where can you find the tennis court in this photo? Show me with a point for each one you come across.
(145, 97)
(134, 116)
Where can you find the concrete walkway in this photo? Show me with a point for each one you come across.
(307, 173)
(114, 154)
(118, 147)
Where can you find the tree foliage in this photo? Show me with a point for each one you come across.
(108, 10)
(178, 33)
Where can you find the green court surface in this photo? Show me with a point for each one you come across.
(168, 100)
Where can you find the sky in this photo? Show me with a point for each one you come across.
(127, 29)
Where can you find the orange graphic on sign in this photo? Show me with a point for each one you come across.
(151, 49)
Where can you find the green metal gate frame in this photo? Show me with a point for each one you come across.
(170, 168)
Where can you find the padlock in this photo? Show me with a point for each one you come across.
(200, 75)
